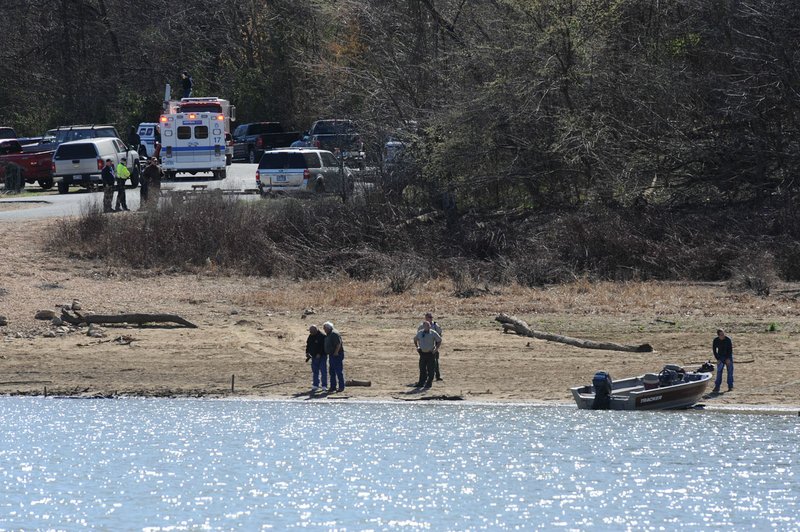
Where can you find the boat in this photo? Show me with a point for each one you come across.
(671, 388)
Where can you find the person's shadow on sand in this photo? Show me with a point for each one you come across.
(416, 390)
(311, 394)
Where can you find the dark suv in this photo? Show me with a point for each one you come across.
(341, 137)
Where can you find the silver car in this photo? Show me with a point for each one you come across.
(302, 169)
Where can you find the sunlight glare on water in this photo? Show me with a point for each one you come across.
(195, 464)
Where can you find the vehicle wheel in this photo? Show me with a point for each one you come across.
(251, 156)
(46, 183)
(319, 186)
(63, 187)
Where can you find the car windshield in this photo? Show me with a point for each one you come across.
(75, 151)
(288, 160)
(7, 133)
(333, 128)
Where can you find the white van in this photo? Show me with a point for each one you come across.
(147, 138)
(193, 143)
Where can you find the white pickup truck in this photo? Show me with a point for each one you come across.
(80, 162)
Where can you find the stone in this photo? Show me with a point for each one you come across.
(76, 304)
(49, 334)
(45, 315)
(95, 331)
(56, 322)
(3, 321)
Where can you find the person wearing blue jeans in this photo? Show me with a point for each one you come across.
(722, 346)
(335, 351)
(315, 351)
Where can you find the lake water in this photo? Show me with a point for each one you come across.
(155, 464)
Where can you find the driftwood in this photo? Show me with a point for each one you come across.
(510, 323)
(434, 398)
(138, 319)
(358, 383)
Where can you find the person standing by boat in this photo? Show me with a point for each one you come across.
(335, 351)
(722, 346)
(435, 327)
(315, 351)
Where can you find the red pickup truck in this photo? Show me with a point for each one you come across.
(35, 166)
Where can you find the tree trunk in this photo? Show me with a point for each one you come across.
(139, 319)
(510, 323)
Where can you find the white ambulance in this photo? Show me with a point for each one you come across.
(193, 142)
(210, 104)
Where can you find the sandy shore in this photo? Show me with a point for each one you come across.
(253, 328)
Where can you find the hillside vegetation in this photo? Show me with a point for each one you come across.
(622, 122)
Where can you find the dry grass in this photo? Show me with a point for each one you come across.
(582, 297)
(369, 240)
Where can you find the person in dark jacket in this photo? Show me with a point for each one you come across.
(108, 178)
(157, 143)
(315, 351)
(722, 346)
(134, 140)
(186, 84)
(151, 183)
(335, 351)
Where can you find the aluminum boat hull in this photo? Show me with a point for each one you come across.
(630, 394)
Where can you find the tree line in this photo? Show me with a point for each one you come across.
(514, 103)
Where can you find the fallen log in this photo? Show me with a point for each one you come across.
(434, 398)
(358, 383)
(137, 319)
(510, 323)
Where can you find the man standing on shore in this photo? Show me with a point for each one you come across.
(315, 351)
(335, 351)
(435, 327)
(108, 178)
(722, 346)
(427, 341)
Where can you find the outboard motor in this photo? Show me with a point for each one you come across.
(602, 384)
(668, 377)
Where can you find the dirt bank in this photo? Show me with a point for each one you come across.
(252, 328)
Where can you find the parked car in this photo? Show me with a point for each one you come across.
(34, 166)
(339, 136)
(250, 141)
(81, 161)
(7, 133)
(302, 169)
